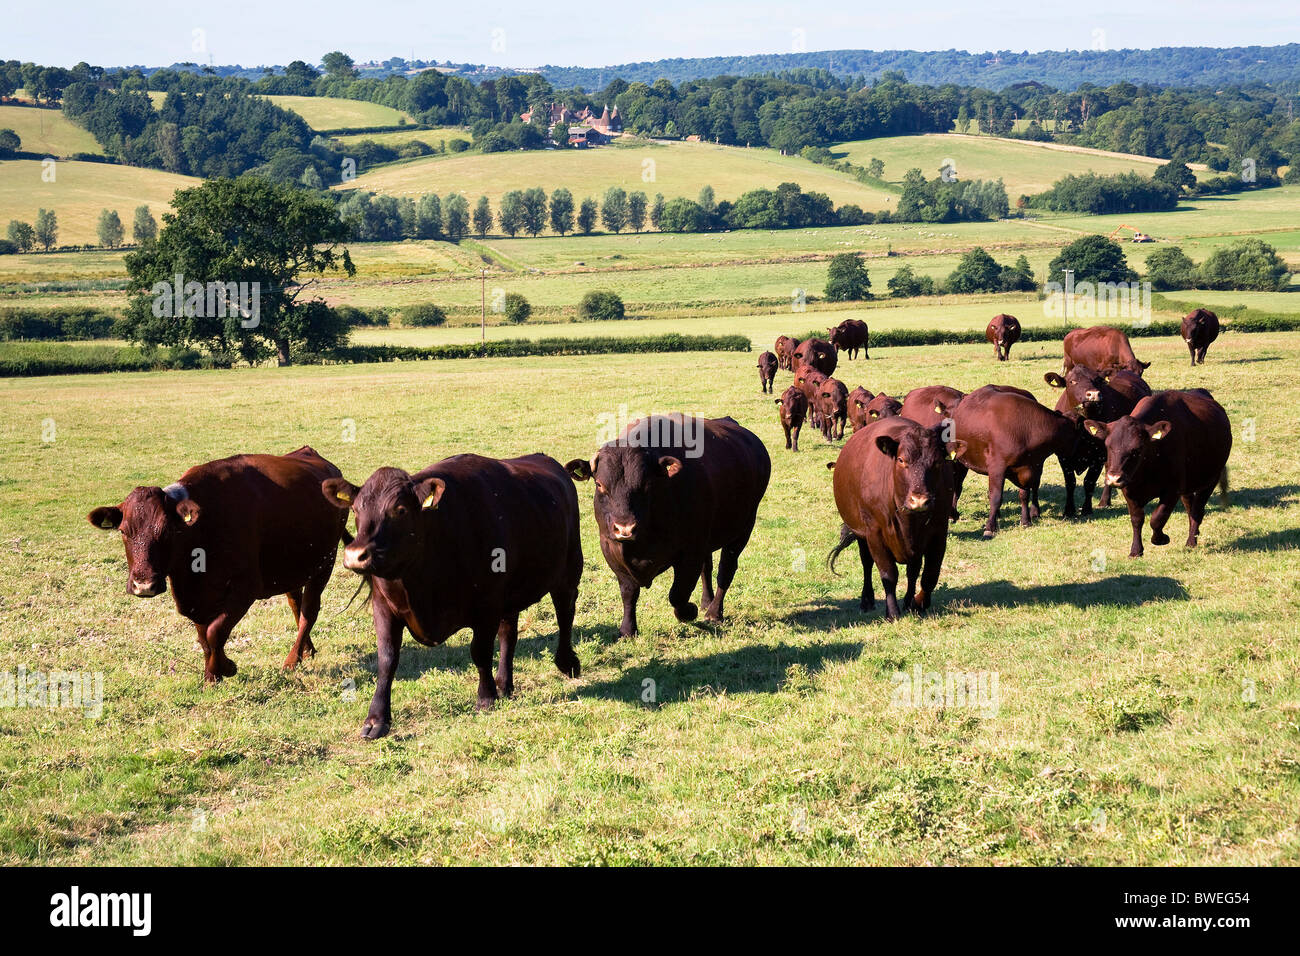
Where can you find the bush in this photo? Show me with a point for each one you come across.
(1170, 268)
(56, 324)
(517, 308)
(353, 317)
(846, 278)
(457, 145)
(1093, 259)
(600, 305)
(907, 283)
(423, 316)
(1250, 264)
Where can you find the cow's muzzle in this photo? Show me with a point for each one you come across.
(151, 587)
(622, 532)
(916, 502)
(358, 558)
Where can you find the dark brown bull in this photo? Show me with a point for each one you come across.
(927, 407)
(893, 481)
(849, 336)
(1010, 436)
(785, 347)
(1200, 329)
(467, 542)
(1090, 394)
(1174, 445)
(1003, 331)
(818, 353)
(1101, 347)
(766, 371)
(229, 533)
(671, 490)
(793, 405)
(833, 408)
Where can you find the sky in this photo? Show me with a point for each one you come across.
(578, 33)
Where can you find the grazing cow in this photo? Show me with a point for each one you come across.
(229, 533)
(833, 408)
(793, 406)
(818, 353)
(1103, 348)
(809, 381)
(467, 542)
(849, 336)
(766, 372)
(1009, 436)
(1003, 331)
(892, 482)
(1200, 328)
(1174, 445)
(1089, 394)
(671, 490)
(785, 347)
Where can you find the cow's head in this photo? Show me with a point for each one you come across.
(632, 487)
(1128, 444)
(918, 454)
(792, 401)
(883, 406)
(390, 510)
(1085, 388)
(155, 523)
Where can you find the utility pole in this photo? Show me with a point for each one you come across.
(483, 302)
(1069, 292)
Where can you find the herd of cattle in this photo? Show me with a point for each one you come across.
(471, 542)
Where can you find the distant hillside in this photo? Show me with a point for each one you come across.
(1063, 69)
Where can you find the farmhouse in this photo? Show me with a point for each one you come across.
(585, 127)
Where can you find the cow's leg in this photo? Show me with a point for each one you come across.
(840, 432)
(308, 612)
(507, 638)
(787, 435)
(1136, 515)
(706, 580)
(1104, 501)
(868, 600)
(997, 479)
(294, 598)
(1034, 479)
(888, 569)
(1067, 473)
(930, 573)
(1200, 355)
(795, 433)
(685, 574)
(565, 600)
(1090, 486)
(1195, 504)
(388, 647)
(216, 664)
(1192, 349)
(1160, 515)
(630, 591)
(1025, 496)
(728, 560)
(958, 477)
(913, 571)
(480, 652)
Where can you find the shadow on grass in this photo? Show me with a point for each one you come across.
(1270, 541)
(1247, 361)
(1119, 590)
(1255, 497)
(759, 669)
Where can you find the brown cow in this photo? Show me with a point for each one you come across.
(1101, 347)
(927, 407)
(1200, 328)
(1009, 436)
(818, 353)
(864, 408)
(1003, 331)
(849, 336)
(793, 407)
(229, 533)
(671, 490)
(1174, 445)
(467, 542)
(785, 347)
(833, 408)
(809, 381)
(766, 372)
(892, 482)
(1089, 394)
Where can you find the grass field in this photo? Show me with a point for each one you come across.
(1148, 711)
(325, 113)
(429, 137)
(80, 191)
(677, 169)
(48, 131)
(1025, 167)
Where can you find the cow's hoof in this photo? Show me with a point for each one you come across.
(1159, 537)
(625, 634)
(712, 615)
(686, 612)
(989, 534)
(211, 677)
(1135, 554)
(227, 668)
(485, 703)
(569, 666)
(374, 728)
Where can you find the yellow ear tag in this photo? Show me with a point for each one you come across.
(1156, 436)
(952, 456)
(188, 519)
(428, 501)
(938, 409)
(342, 496)
(106, 524)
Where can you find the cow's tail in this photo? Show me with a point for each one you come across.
(1223, 488)
(847, 537)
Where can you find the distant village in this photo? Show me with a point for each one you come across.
(584, 127)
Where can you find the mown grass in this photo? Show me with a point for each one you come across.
(48, 131)
(1125, 731)
(325, 113)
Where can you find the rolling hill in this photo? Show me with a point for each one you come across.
(48, 131)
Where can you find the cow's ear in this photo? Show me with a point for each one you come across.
(1159, 430)
(1054, 379)
(777, 401)
(430, 492)
(339, 492)
(580, 470)
(887, 445)
(956, 448)
(670, 465)
(1145, 364)
(830, 466)
(107, 518)
(187, 510)
(1096, 429)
